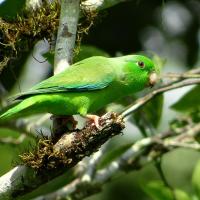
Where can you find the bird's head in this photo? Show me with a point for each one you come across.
(139, 71)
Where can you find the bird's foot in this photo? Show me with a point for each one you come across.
(94, 119)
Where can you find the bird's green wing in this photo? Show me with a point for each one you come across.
(94, 73)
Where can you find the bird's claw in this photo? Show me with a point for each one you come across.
(94, 119)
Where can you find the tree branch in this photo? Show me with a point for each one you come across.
(170, 86)
(100, 4)
(13, 141)
(130, 160)
(51, 160)
(66, 34)
(65, 42)
(25, 127)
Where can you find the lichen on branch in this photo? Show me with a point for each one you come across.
(73, 146)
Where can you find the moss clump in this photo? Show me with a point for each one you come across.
(21, 34)
(72, 146)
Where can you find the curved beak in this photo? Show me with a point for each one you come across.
(153, 78)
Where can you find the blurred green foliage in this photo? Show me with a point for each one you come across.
(112, 155)
(148, 117)
(189, 102)
(157, 191)
(9, 8)
(10, 151)
(195, 179)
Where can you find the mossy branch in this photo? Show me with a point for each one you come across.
(50, 160)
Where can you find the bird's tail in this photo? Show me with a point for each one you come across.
(16, 110)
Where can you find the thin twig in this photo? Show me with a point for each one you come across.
(143, 100)
(25, 127)
(100, 4)
(182, 76)
(92, 163)
(13, 141)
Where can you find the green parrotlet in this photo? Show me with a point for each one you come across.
(85, 87)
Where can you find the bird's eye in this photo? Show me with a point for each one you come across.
(141, 64)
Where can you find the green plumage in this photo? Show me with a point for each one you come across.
(85, 87)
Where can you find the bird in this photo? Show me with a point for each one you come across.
(85, 87)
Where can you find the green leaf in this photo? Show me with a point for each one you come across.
(196, 178)
(181, 195)
(49, 56)
(112, 155)
(10, 8)
(195, 197)
(150, 115)
(52, 185)
(189, 101)
(158, 191)
(153, 110)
